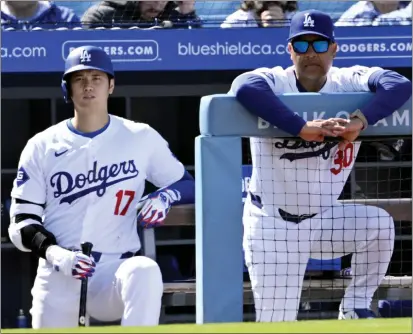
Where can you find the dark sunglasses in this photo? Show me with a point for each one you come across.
(320, 46)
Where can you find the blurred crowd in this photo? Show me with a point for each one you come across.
(27, 15)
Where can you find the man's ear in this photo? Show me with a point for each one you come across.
(290, 50)
(334, 48)
(111, 86)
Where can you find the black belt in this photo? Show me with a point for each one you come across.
(256, 200)
(98, 255)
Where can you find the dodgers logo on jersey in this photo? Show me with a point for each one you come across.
(95, 180)
(295, 145)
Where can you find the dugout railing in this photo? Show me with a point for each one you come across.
(219, 292)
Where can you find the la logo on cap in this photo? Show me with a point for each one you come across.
(85, 57)
(308, 21)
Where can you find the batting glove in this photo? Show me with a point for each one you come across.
(71, 263)
(155, 207)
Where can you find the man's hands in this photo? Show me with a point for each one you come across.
(70, 263)
(273, 17)
(346, 129)
(318, 129)
(186, 6)
(155, 206)
(351, 131)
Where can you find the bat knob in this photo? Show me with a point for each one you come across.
(82, 320)
(86, 248)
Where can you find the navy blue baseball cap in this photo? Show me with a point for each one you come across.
(311, 22)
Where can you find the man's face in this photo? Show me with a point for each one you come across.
(90, 88)
(387, 2)
(20, 5)
(151, 9)
(386, 6)
(310, 64)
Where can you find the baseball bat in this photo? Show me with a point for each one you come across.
(87, 250)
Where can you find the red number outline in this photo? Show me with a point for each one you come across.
(119, 196)
(343, 159)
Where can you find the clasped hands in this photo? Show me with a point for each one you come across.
(346, 130)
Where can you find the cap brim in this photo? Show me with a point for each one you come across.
(308, 33)
(82, 67)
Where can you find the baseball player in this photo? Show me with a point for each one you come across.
(82, 180)
(291, 213)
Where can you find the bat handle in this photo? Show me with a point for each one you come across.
(87, 248)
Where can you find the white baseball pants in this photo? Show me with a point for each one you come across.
(127, 289)
(277, 252)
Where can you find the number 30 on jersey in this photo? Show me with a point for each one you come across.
(343, 159)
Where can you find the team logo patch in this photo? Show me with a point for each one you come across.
(85, 57)
(308, 21)
(22, 177)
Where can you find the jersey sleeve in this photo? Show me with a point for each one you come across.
(163, 167)
(271, 76)
(30, 184)
(356, 78)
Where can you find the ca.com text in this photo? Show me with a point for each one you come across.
(24, 52)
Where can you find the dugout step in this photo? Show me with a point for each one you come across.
(392, 288)
(399, 208)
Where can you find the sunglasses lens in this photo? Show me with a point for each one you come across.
(300, 46)
(320, 46)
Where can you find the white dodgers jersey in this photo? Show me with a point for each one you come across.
(90, 187)
(297, 176)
